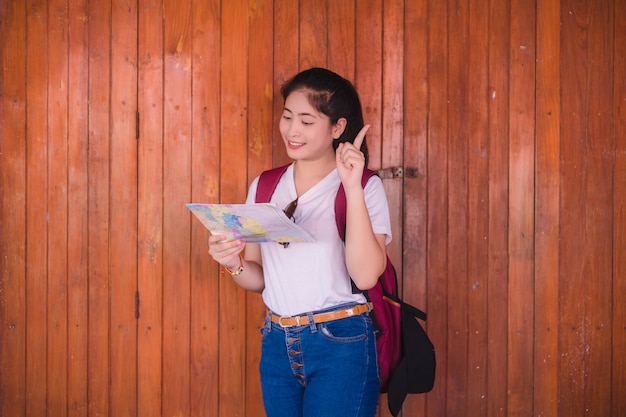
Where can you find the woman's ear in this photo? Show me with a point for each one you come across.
(339, 127)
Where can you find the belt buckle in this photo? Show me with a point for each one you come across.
(280, 321)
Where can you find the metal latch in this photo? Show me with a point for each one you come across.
(397, 172)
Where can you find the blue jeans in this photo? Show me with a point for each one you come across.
(320, 370)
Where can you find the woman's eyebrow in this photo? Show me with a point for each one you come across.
(301, 114)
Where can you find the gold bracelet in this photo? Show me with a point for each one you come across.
(237, 271)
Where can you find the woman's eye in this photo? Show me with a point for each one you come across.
(286, 117)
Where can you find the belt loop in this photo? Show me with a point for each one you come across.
(312, 324)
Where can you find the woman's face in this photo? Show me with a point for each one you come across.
(307, 133)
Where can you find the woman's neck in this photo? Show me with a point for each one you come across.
(308, 173)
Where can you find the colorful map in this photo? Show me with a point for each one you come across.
(250, 222)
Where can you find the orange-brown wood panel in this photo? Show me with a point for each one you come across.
(57, 214)
(618, 380)
(98, 211)
(36, 207)
(233, 188)
(507, 117)
(573, 271)
(123, 209)
(546, 290)
(599, 158)
(259, 139)
(368, 72)
(77, 234)
(437, 195)
(205, 188)
(521, 207)
(177, 147)
(415, 159)
(286, 65)
(498, 94)
(313, 47)
(341, 37)
(457, 206)
(13, 117)
(391, 119)
(478, 206)
(392, 116)
(150, 208)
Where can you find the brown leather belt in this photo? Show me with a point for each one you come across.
(290, 321)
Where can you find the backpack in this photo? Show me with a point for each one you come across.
(406, 356)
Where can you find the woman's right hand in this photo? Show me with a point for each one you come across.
(226, 253)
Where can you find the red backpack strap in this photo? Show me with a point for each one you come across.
(268, 181)
(340, 203)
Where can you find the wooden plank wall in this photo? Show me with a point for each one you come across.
(509, 118)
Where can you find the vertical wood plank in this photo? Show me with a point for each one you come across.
(478, 207)
(123, 208)
(313, 33)
(36, 208)
(415, 157)
(457, 138)
(521, 207)
(598, 258)
(78, 237)
(368, 73)
(573, 296)
(393, 117)
(57, 207)
(205, 188)
(98, 249)
(13, 208)
(341, 37)
(498, 207)
(233, 188)
(618, 381)
(546, 291)
(150, 104)
(177, 221)
(437, 199)
(259, 140)
(286, 65)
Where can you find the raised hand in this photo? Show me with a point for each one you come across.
(351, 161)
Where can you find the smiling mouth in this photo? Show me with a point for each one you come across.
(295, 144)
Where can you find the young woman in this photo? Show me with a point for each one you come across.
(319, 349)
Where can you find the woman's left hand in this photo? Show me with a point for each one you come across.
(351, 161)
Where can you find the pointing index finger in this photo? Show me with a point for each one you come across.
(358, 141)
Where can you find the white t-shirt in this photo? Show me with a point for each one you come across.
(305, 277)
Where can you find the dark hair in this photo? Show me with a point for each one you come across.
(331, 94)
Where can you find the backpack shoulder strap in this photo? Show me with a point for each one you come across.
(340, 203)
(268, 181)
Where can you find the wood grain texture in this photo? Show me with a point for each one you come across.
(521, 208)
(123, 209)
(99, 121)
(150, 179)
(233, 188)
(13, 307)
(77, 206)
(546, 288)
(36, 194)
(204, 348)
(507, 117)
(618, 368)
